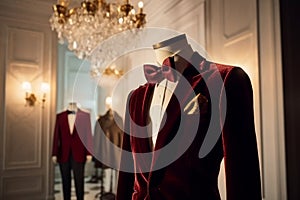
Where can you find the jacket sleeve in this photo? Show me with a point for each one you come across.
(96, 139)
(126, 179)
(56, 138)
(239, 139)
(89, 136)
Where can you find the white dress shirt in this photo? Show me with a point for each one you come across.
(71, 121)
(160, 100)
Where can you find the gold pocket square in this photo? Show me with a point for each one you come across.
(198, 104)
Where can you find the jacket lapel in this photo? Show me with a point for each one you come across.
(66, 123)
(140, 116)
(146, 116)
(184, 92)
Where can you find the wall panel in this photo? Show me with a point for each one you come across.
(232, 40)
(22, 144)
(26, 54)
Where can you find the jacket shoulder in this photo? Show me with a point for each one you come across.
(84, 112)
(142, 87)
(224, 70)
(228, 71)
(61, 113)
(140, 90)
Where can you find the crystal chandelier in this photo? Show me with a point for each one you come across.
(85, 27)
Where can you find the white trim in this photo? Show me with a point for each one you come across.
(273, 142)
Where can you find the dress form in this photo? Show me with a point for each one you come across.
(177, 47)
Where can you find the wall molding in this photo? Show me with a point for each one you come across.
(272, 100)
(32, 57)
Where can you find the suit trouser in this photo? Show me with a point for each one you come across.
(78, 173)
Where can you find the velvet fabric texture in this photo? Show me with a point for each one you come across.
(189, 176)
(79, 143)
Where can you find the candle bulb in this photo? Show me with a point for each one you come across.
(64, 3)
(45, 87)
(140, 5)
(26, 87)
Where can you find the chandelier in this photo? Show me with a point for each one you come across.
(85, 27)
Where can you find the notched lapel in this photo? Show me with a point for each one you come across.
(182, 96)
(183, 93)
(66, 123)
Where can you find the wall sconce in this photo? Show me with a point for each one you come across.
(30, 97)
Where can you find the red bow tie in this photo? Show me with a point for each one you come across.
(156, 74)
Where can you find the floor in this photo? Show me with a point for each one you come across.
(92, 186)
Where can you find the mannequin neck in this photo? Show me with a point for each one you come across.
(181, 56)
(180, 64)
(72, 106)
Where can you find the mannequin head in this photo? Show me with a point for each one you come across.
(177, 46)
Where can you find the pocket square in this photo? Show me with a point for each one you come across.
(198, 104)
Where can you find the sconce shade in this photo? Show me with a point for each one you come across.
(26, 86)
(108, 101)
(45, 87)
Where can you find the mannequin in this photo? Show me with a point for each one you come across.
(176, 47)
(72, 143)
(108, 125)
(72, 107)
(190, 176)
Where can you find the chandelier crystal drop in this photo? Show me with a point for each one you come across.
(87, 26)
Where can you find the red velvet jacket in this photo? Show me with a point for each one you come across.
(191, 177)
(79, 143)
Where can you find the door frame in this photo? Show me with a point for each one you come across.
(272, 106)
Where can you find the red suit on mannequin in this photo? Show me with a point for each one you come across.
(72, 143)
(189, 176)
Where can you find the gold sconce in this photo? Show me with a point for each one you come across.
(30, 97)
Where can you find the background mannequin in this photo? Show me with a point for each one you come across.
(71, 135)
(108, 125)
(72, 106)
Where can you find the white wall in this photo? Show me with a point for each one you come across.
(27, 53)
